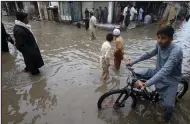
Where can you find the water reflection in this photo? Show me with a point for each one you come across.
(17, 103)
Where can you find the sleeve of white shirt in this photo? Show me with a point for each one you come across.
(135, 11)
(94, 21)
(108, 55)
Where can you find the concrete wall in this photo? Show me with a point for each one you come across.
(29, 8)
(42, 6)
(65, 11)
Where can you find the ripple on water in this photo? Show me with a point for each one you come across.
(71, 79)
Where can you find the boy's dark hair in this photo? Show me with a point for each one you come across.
(109, 37)
(167, 30)
(21, 16)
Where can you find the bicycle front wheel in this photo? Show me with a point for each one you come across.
(116, 99)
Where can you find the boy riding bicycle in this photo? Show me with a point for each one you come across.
(167, 73)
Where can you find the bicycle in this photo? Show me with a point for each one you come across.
(130, 90)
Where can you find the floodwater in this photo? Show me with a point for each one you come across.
(69, 86)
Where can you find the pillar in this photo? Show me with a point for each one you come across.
(7, 6)
(59, 12)
(17, 8)
(39, 8)
(110, 12)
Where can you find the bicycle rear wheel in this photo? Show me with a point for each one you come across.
(116, 99)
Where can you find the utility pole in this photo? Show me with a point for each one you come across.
(17, 8)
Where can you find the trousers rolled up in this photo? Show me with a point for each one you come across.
(93, 32)
(118, 57)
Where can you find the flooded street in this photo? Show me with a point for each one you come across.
(69, 86)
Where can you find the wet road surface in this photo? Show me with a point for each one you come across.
(69, 86)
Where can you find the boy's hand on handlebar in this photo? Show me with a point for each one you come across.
(128, 62)
(140, 84)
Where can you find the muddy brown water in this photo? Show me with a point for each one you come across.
(68, 88)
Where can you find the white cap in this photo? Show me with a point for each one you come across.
(116, 32)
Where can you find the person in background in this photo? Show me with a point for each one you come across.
(127, 19)
(99, 11)
(172, 22)
(187, 17)
(105, 15)
(167, 73)
(87, 14)
(4, 39)
(182, 18)
(125, 13)
(161, 22)
(101, 15)
(119, 48)
(78, 25)
(93, 10)
(118, 13)
(105, 56)
(96, 14)
(147, 19)
(133, 11)
(93, 26)
(26, 44)
(86, 22)
(121, 18)
(140, 14)
(144, 14)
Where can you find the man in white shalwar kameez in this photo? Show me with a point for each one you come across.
(124, 14)
(92, 26)
(140, 14)
(133, 11)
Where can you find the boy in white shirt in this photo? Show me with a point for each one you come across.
(106, 55)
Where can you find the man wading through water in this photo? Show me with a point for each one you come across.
(26, 44)
(92, 26)
(167, 73)
(119, 48)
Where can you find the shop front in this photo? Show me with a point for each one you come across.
(65, 11)
(76, 8)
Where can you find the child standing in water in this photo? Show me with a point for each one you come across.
(106, 55)
(119, 50)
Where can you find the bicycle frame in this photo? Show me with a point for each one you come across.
(144, 92)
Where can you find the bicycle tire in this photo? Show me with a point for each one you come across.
(112, 92)
(186, 87)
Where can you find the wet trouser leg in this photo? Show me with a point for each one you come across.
(105, 72)
(118, 56)
(117, 62)
(168, 95)
(93, 33)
